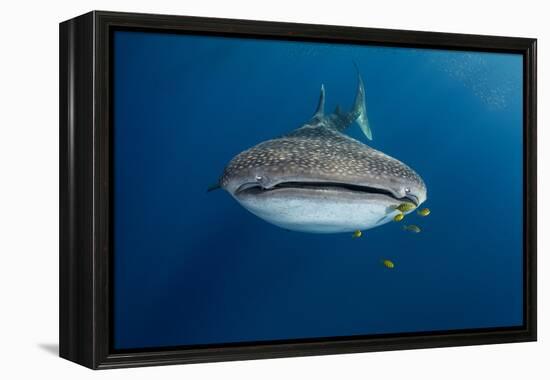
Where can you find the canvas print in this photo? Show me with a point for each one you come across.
(271, 190)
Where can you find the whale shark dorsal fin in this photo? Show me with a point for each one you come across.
(359, 111)
(338, 110)
(320, 112)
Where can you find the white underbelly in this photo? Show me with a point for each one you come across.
(323, 213)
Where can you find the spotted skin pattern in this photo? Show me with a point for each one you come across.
(317, 151)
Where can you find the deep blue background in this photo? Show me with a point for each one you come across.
(193, 267)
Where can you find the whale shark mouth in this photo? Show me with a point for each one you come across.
(255, 188)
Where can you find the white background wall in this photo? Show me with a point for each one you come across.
(29, 187)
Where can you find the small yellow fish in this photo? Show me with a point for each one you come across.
(412, 228)
(424, 212)
(404, 207)
(398, 217)
(357, 234)
(388, 264)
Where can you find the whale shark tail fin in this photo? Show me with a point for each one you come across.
(320, 112)
(359, 111)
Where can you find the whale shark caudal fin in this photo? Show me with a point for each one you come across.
(359, 111)
(320, 112)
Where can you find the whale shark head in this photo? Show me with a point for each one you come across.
(317, 179)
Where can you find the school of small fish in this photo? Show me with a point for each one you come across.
(424, 212)
(413, 228)
(403, 208)
(399, 217)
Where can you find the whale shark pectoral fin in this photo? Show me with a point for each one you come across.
(320, 112)
(359, 111)
(212, 187)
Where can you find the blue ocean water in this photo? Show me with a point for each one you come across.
(192, 267)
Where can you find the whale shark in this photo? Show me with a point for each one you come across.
(317, 179)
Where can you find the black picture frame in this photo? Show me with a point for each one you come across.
(86, 188)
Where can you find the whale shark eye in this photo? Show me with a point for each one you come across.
(407, 190)
(259, 178)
